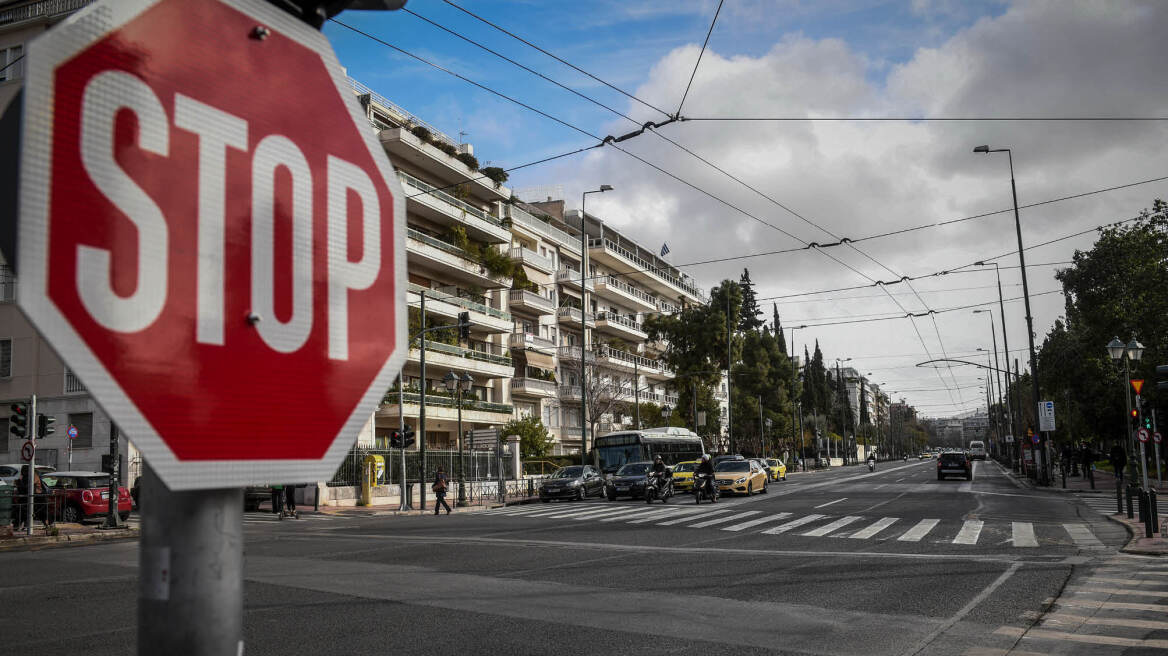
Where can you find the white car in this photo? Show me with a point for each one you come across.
(11, 471)
(977, 450)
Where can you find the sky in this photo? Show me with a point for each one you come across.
(784, 184)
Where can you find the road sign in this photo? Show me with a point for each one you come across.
(1143, 434)
(484, 438)
(1035, 438)
(1009, 439)
(1156, 437)
(221, 262)
(26, 451)
(1046, 415)
(1137, 384)
(72, 432)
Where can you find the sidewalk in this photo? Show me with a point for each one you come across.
(393, 509)
(62, 534)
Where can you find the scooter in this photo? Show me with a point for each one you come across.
(704, 488)
(871, 465)
(659, 486)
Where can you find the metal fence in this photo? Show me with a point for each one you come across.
(477, 466)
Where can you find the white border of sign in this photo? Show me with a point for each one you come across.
(60, 44)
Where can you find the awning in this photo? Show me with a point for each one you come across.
(540, 360)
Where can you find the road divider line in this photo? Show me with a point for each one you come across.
(755, 522)
(920, 530)
(1083, 536)
(834, 526)
(1023, 534)
(795, 523)
(686, 519)
(969, 532)
(723, 520)
(830, 503)
(875, 527)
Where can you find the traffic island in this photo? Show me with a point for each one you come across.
(61, 535)
(1137, 543)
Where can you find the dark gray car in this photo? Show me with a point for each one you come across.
(575, 482)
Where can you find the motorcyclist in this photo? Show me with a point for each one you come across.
(872, 460)
(659, 473)
(706, 467)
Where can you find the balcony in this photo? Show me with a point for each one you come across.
(450, 259)
(445, 407)
(571, 279)
(488, 360)
(614, 324)
(43, 10)
(655, 275)
(519, 341)
(533, 387)
(573, 353)
(625, 361)
(572, 316)
(440, 207)
(532, 259)
(570, 393)
(521, 299)
(404, 146)
(671, 400)
(614, 288)
(522, 219)
(450, 305)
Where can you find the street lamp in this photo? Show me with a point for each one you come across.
(1128, 353)
(1042, 470)
(583, 325)
(458, 384)
(794, 401)
(1005, 348)
(840, 382)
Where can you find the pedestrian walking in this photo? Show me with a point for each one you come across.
(1118, 459)
(439, 488)
(277, 499)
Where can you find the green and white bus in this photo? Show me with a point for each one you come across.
(673, 444)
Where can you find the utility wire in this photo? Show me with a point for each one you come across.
(11, 63)
(697, 63)
(918, 119)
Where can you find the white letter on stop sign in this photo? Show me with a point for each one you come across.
(343, 274)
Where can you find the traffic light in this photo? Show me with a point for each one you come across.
(464, 326)
(1135, 413)
(399, 440)
(45, 426)
(18, 420)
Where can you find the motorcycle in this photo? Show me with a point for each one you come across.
(871, 465)
(704, 487)
(659, 486)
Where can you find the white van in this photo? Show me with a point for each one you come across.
(977, 450)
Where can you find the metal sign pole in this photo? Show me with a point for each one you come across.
(190, 570)
(113, 519)
(31, 463)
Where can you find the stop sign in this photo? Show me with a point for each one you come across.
(211, 236)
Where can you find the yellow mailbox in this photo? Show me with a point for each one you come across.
(372, 473)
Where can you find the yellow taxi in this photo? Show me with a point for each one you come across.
(740, 477)
(776, 468)
(683, 475)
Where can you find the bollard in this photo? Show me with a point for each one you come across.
(1128, 491)
(1063, 470)
(1118, 497)
(1091, 476)
(1147, 515)
(1153, 511)
(1143, 518)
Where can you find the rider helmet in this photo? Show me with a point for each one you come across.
(705, 457)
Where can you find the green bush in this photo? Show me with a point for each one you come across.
(421, 133)
(496, 175)
(496, 262)
(447, 148)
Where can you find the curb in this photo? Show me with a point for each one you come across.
(68, 539)
(1132, 547)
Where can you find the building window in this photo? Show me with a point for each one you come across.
(10, 68)
(7, 285)
(83, 422)
(5, 359)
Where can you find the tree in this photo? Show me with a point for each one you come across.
(534, 441)
(750, 312)
(777, 326)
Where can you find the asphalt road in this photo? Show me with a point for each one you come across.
(838, 562)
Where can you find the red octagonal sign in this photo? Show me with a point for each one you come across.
(211, 236)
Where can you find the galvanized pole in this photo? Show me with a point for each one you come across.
(729, 369)
(461, 460)
(583, 336)
(113, 519)
(637, 393)
(1159, 478)
(190, 571)
(401, 416)
(422, 409)
(1143, 455)
(31, 434)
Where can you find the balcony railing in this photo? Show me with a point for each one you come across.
(533, 385)
(545, 229)
(671, 400)
(572, 315)
(569, 391)
(527, 340)
(43, 9)
(616, 283)
(474, 306)
(656, 270)
(573, 353)
(530, 257)
(447, 247)
(571, 277)
(606, 352)
(73, 383)
(404, 115)
(524, 297)
(612, 317)
(470, 354)
(458, 205)
(468, 403)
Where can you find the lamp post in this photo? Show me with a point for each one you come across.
(1002, 392)
(1130, 352)
(457, 384)
(583, 324)
(847, 402)
(794, 375)
(1042, 473)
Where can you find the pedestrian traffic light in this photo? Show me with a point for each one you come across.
(18, 420)
(45, 425)
(464, 326)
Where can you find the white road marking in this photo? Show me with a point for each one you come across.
(616, 517)
(1024, 534)
(756, 522)
(723, 520)
(834, 526)
(969, 532)
(874, 528)
(707, 513)
(830, 503)
(664, 513)
(795, 523)
(1083, 536)
(919, 531)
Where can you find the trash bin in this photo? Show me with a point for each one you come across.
(372, 473)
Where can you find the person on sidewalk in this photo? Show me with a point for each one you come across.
(1118, 460)
(277, 499)
(439, 488)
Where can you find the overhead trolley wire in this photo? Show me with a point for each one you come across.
(699, 60)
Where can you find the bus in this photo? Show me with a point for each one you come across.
(673, 444)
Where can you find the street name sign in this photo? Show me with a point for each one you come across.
(1142, 434)
(1046, 416)
(1138, 385)
(211, 236)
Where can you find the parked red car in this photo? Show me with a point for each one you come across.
(83, 495)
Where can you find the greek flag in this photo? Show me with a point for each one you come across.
(664, 250)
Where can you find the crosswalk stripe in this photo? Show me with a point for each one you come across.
(1044, 634)
(875, 527)
(834, 526)
(1082, 535)
(1110, 605)
(708, 513)
(723, 520)
(1023, 534)
(756, 522)
(795, 523)
(969, 532)
(578, 512)
(595, 514)
(1127, 582)
(920, 530)
(623, 514)
(659, 514)
(1121, 591)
